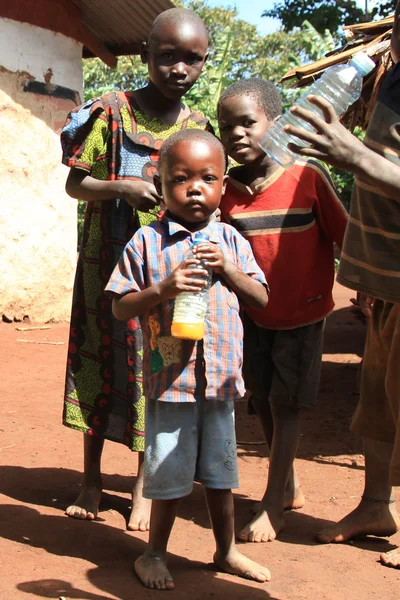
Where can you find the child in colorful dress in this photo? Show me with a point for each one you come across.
(112, 146)
(190, 392)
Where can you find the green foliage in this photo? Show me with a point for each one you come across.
(322, 14)
(384, 8)
(327, 14)
(99, 79)
(236, 51)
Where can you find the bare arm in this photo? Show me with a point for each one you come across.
(136, 304)
(250, 291)
(139, 194)
(335, 145)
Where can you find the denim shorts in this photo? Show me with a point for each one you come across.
(187, 442)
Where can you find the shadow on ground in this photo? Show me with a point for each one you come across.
(112, 551)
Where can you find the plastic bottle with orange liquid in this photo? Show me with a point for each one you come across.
(190, 308)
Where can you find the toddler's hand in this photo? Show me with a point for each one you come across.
(141, 195)
(185, 278)
(212, 256)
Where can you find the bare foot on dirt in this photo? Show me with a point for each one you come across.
(139, 519)
(263, 528)
(369, 518)
(152, 571)
(292, 501)
(391, 559)
(238, 564)
(87, 503)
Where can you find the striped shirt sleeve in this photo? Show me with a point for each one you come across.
(331, 213)
(129, 273)
(245, 260)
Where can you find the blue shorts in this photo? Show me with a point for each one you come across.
(187, 442)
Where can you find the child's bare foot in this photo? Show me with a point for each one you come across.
(391, 559)
(292, 501)
(87, 503)
(151, 568)
(369, 518)
(264, 527)
(238, 564)
(139, 519)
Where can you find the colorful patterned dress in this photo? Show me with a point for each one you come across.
(110, 138)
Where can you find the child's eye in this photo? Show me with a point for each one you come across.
(194, 59)
(179, 179)
(224, 127)
(248, 123)
(209, 178)
(167, 55)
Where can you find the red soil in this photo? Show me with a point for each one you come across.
(46, 555)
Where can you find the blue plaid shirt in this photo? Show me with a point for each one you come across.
(177, 370)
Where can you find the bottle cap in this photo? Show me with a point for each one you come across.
(363, 63)
(200, 238)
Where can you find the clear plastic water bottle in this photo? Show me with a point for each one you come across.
(190, 308)
(341, 85)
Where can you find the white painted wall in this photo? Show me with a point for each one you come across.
(37, 219)
(25, 47)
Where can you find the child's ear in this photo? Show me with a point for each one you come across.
(225, 181)
(144, 52)
(157, 184)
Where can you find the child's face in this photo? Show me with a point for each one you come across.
(192, 180)
(242, 123)
(175, 59)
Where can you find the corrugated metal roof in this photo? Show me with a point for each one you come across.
(121, 25)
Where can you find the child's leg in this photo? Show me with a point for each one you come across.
(292, 385)
(294, 497)
(151, 567)
(86, 505)
(169, 467)
(227, 557)
(139, 519)
(269, 520)
(259, 371)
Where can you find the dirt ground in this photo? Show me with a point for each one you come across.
(46, 555)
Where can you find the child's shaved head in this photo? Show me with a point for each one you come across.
(187, 135)
(176, 17)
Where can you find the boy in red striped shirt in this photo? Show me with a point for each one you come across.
(291, 217)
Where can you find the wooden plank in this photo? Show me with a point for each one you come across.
(334, 59)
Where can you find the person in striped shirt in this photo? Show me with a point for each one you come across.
(370, 264)
(190, 387)
(291, 217)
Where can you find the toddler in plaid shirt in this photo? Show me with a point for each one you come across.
(190, 386)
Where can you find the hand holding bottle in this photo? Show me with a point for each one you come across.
(330, 142)
(340, 84)
(212, 256)
(188, 277)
